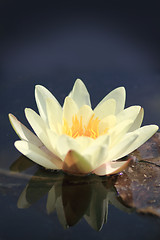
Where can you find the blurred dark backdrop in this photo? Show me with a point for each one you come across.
(105, 43)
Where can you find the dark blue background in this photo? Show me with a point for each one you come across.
(105, 43)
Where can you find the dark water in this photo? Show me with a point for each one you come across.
(27, 205)
(106, 46)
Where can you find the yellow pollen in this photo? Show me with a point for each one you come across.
(77, 129)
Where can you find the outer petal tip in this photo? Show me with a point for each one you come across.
(121, 168)
(122, 90)
(37, 89)
(19, 144)
(153, 128)
(38, 86)
(80, 93)
(156, 128)
(10, 116)
(26, 110)
(111, 168)
(78, 80)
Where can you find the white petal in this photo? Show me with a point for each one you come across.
(69, 110)
(119, 94)
(84, 161)
(52, 138)
(41, 94)
(80, 94)
(53, 156)
(97, 152)
(86, 113)
(117, 132)
(23, 132)
(128, 113)
(107, 123)
(76, 164)
(144, 133)
(98, 156)
(105, 109)
(120, 149)
(54, 113)
(35, 154)
(138, 121)
(64, 144)
(84, 141)
(38, 126)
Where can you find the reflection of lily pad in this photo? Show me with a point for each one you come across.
(139, 185)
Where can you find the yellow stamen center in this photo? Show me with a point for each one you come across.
(77, 129)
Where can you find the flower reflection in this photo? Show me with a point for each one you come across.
(72, 197)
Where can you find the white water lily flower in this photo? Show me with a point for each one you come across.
(77, 138)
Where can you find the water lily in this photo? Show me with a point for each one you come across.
(77, 138)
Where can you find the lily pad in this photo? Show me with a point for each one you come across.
(139, 185)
